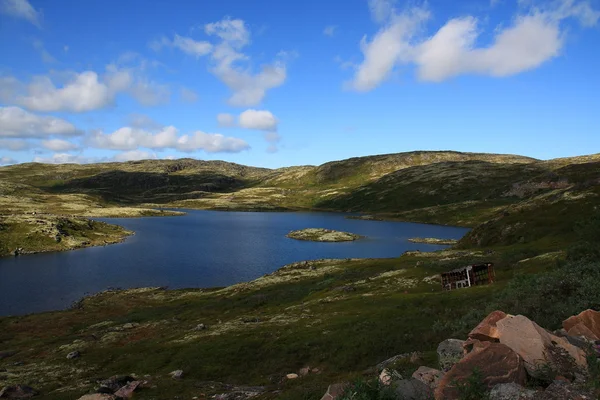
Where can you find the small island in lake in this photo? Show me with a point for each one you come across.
(322, 235)
(433, 241)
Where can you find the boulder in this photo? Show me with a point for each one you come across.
(429, 376)
(292, 376)
(450, 351)
(73, 354)
(385, 378)
(97, 396)
(412, 389)
(177, 374)
(510, 391)
(304, 371)
(487, 329)
(539, 348)
(581, 330)
(127, 391)
(17, 392)
(496, 363)
(589, 318)
(334, 391)
(114, 383)
(561, 390)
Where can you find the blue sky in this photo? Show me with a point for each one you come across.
(278, 83)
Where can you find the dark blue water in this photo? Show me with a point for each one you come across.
(200, 249)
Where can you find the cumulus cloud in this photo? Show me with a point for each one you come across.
(258, 119)
(531, 39)
(4, 160)
(59, 145)
(390, 46)
(128, 138)
(329, 30)
(210, 143)
(185, 44)
(188, 95)
(134, 155)
(18, 123)
(84, 91)
(66, 158)
(226, 120)
(21, 9)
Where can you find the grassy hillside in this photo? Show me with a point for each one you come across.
(537, 221)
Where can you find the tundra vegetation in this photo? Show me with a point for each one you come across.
(537, 221)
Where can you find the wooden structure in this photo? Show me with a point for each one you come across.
(471, 275)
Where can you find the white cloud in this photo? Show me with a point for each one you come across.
(258, 119)
(84, 92)
(230, 64)
(15, 144)
(188, 95)
(21, 9)
(391, 45)
(232, 31)
(66, 158)
(329, 30)
(529, 41)
(4, 160)
(187, 45)
(134, 155)
(59, 145)
(128, 138)
(18, 123)
(211, 143)
(226, 120)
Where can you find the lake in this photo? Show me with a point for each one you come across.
(198, 250)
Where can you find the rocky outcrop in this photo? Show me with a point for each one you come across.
(540, 349)
(496, 363)
(322, 235)
(586, 323)
(487, 329)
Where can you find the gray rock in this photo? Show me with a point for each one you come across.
(450, 352)
(334, 391)
(412, 389)
(200, 327)
(429, 376)
(73, 354)
(177, 374)
(510, 391)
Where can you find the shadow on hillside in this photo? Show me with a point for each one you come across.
(136, 187)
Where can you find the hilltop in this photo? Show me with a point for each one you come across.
(443, 187)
